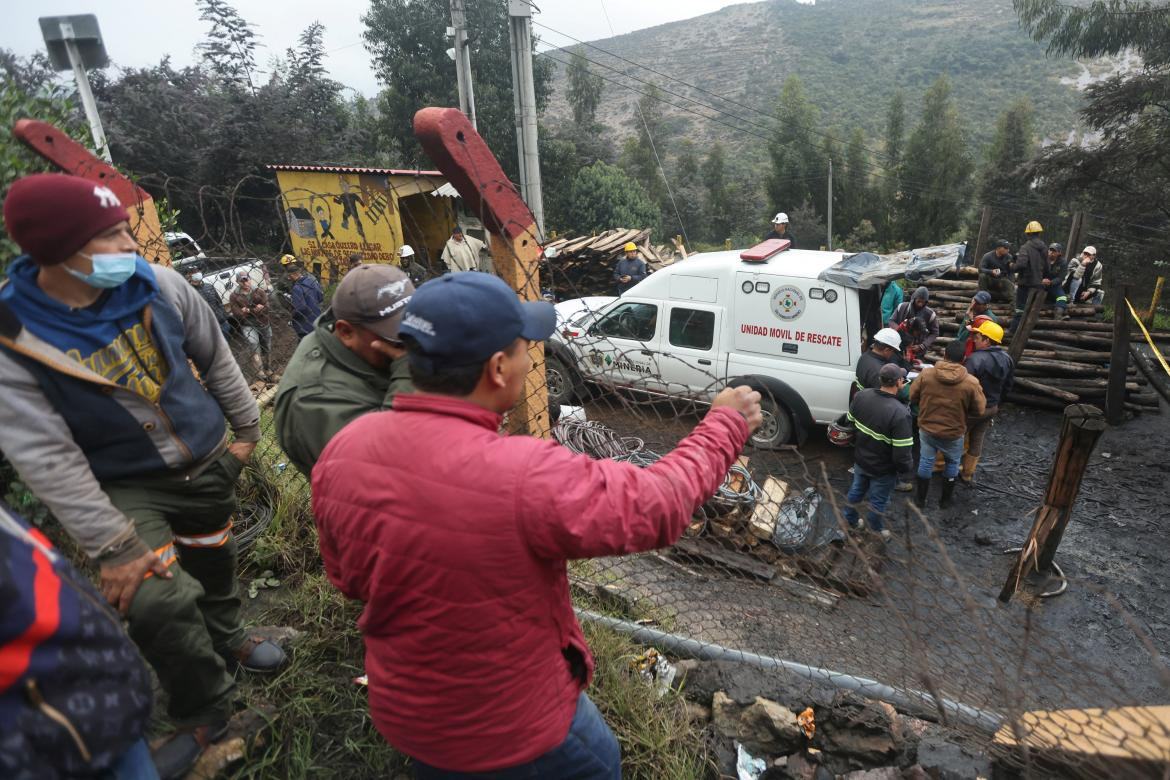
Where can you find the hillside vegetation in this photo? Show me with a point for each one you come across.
(851, 55)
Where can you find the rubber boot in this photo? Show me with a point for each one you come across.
(923, 489)
(948, 494)
(967, 469)
(940, 462)
(1062, 312)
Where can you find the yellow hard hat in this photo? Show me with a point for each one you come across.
(992, 330)
(287, 259)
(1034, 227)
(630, 247)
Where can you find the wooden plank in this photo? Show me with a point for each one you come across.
(1141, 733)
(767, 509)
(719, 556)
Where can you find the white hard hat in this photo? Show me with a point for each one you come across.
(889, 337)
(780, 219)
(197, 277)
(406, 251)
(1089, 250)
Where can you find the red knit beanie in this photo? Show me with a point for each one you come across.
(52, 215)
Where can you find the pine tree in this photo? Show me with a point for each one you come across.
(935, 172)
(719, 207)
(798, 165)
(856, 198)
(1124, 174)
(888, 182)
(1003, 182)
(229, 50)
(584, 92)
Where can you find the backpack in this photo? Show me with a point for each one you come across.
(75, 694)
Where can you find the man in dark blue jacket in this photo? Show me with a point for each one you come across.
(883, 448)
(306, 300)
(630, 270)
(992, 366)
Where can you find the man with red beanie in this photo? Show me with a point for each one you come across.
(476, 661)
(108, 426)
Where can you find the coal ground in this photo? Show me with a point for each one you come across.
(933, 622)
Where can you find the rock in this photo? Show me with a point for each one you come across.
(858, 733)
(698, 713)
(743, 683)
(798, 767)
(915, 772)
(725, 715)
(883, 773)
(767, 727)
(944, 760)
(982, 539)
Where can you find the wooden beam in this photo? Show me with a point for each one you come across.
(1027, 323)
(1119, 360)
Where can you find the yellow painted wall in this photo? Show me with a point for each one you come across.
(331, 215)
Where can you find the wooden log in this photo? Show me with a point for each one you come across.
(1040, 402)
(1147, 368)
(952, 284)
(1043, 389)
(1081, 428)
(1027, 323)
(1119, 361)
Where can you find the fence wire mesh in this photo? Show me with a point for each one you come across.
(769, 571)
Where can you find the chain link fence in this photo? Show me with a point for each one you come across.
(769, 573)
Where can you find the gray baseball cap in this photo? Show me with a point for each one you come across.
(375, 297)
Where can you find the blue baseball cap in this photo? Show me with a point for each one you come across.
(461, 319)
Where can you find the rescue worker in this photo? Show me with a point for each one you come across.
(1087, 276)
(882, 449)
(780, 229)
(995, 271)
(1055, 287)
(630, 270)
(1031, 268)
(107, 424)
(306, 299)
(892, 298)
(208, 293)
(351, 363)
(946, 396)
(408, 263)
(249, 307)
(885, 349)
(992, 366)
(917, 323)
(980, 306)
(463, 253)
(456, 539)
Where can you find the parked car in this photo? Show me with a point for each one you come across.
(714, 320)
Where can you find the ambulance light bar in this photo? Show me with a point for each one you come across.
(764, 250)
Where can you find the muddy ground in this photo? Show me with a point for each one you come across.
(933, 622)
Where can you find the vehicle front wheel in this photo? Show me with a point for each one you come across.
(777, 428)
(560, 381)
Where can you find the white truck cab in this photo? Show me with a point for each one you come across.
(716, 319)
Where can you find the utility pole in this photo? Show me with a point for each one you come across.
(462, 58)
(524, 99)
(830, 209)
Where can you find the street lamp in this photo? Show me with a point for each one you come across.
(75, 43)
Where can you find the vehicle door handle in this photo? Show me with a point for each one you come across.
(704, 362)
(647, 352)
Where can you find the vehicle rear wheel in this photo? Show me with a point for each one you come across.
(777, 428)
(560, 381)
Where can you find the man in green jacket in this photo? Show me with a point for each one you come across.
(350, 364)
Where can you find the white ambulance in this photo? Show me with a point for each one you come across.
(717, 319)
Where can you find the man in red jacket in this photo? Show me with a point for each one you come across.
(456, 538)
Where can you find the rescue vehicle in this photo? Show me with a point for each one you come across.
(761, 317)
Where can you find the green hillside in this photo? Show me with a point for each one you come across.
(852, 55)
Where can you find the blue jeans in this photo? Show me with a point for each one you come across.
(589, 752)
(135, 764)
(952, 450)
(877, 488)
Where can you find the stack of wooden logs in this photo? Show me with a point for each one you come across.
(1064, 361)
(584, 266)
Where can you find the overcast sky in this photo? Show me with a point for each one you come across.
(140, 33)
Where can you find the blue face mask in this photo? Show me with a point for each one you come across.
(109, 270)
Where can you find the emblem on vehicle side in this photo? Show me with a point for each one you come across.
(788, 302)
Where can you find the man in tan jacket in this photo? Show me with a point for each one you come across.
(946, 396)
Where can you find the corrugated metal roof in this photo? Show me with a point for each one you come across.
(446, 191)
(351, 169)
